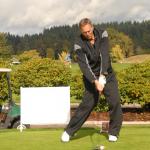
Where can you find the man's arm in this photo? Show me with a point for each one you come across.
(83, 63)
(104, 53)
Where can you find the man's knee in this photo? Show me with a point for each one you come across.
(87, 105)
(114, 102)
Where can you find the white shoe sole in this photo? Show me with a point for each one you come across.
(112, 138)
(65, 137)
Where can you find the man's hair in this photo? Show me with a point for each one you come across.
(84, 22)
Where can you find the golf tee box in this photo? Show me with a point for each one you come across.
(45, 105)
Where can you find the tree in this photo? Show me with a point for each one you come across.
(119, 38)
(5, 49)
(116, 53)
(146, 40)
(50, 53)
(28, 55)
(126, 45)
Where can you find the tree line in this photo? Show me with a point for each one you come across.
(126, 38)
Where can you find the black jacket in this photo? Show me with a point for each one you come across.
(93, 60)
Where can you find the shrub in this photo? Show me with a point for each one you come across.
(102, 105)
(41, 73)
(134, 84)
(76, 87)
(3, 81)
(38, 73)
(27, 55)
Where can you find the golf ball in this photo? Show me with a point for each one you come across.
(102, 147)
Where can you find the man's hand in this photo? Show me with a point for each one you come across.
(99, 86)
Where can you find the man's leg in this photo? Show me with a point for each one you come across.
(90, 99)
(112, 96)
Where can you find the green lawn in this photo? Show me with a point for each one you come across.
(131, 138)
(117, 67)
(75, 68)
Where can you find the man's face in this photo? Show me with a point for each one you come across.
(87, 31)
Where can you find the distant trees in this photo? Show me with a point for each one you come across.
(139, 32)
(116, 53)
(50, 53)
(5, 49)
(120, 42)
(132, 37)
(146, 39)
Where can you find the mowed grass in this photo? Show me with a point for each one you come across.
(116, 66)
(120, 66)
(127, 62)
(131, 138)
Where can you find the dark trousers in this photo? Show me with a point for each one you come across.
(90, 100)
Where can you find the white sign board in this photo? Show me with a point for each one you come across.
(45, 105)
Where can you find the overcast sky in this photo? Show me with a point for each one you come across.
(32, 16)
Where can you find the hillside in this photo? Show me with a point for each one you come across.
(137, 58)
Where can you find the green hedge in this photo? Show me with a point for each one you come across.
(36, 73)
(77, 87)
(41, 73)
(134, 84)
(3, 81)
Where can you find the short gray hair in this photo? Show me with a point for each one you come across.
(84, 22)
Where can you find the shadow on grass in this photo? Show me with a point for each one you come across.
(88, 132)
(105, 135)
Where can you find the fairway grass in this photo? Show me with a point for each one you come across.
(116, 66)
(131, 138)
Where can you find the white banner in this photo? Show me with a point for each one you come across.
(45, 105)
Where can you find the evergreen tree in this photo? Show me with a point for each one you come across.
(5, 49)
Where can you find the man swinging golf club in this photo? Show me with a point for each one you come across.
(92, 52)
